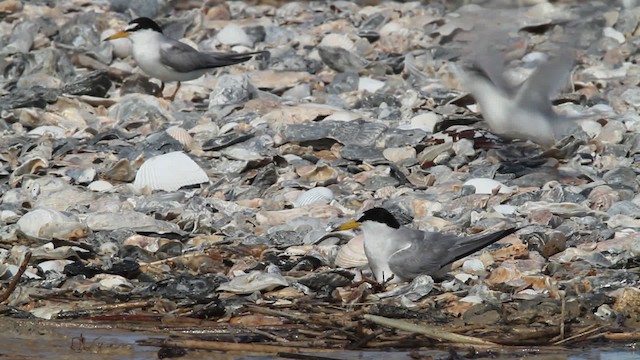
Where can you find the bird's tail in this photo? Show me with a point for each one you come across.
(225, 59)
(471, 244)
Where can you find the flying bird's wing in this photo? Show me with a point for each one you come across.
(183, 58)
(545, 82)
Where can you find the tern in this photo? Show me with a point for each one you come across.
(397, 253)
(170, 60)
(521, 111)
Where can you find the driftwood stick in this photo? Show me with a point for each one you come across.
(226, 346)
(14, 282)
(430, 332)
(625, 336)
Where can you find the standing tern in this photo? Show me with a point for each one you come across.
(397, 253)
(170, 60)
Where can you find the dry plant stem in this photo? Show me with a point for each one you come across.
(304, 357)
(225, 346)
(627, 336)
(267, 311)
(588, 331)
(562, 316)
(14, 282)
(432, 333)
(269, 335)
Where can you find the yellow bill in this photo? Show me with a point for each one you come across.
(118, 35)
(352, 224)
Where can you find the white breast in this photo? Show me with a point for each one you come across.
(146, 53)
(378, 246)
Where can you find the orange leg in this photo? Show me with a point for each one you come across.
(173, 96)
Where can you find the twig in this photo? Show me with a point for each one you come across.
(432, 333)
(267, 311)
(269, 335)
(588, 331)
(562, 316)
(626, 336)
(303, 356)
(14, 282)
(226, 346)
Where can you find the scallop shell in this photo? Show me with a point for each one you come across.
(487, 186)
(337, 40)
(317, 195)
(169, 172)
(181, 135)
(352, 255)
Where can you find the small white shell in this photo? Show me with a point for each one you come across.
(100, 186)
(252, 282)
(369, 84)
(54, 265)
(473, 266)
(234, 34)
(169, 172)
(337, 40)
(317, 195)
(352, 255)
(487, 186)
(181, 135)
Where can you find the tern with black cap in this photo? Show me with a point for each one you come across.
(398, 253)
(170, 60)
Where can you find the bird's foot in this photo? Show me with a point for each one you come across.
(375, 285)
(173, 96)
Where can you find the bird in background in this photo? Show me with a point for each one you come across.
(397, 253)
(170, 60)
(518, 111)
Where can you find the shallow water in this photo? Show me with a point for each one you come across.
(22, 340)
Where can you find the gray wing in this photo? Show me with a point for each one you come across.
(545, 82)
(422, 256)
(183, 58)
(430, 251)
(490, 65)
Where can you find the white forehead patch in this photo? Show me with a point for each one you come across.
(130, 27)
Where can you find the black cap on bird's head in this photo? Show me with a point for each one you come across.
(141, 23)
(380, 215)
(376, 214)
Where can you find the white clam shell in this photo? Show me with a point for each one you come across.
(317, 195)
(352, 255)
(100, 186)
(169, 172)
(252, 282)
(48, 224)
(487, 186)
